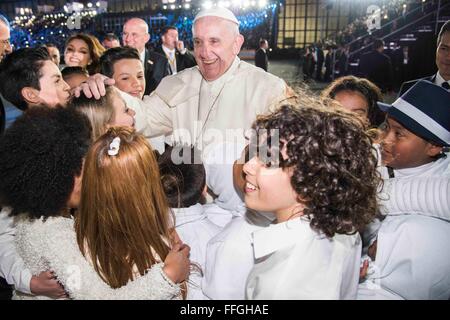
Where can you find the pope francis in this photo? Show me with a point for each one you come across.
(215, 101)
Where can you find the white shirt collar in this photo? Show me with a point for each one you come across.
(142, 56)
(169, 52)
(281, 235)
(440, 80)
(187, 215)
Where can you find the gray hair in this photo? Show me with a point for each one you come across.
(4, 20)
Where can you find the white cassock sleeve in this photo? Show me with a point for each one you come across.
(427, 196)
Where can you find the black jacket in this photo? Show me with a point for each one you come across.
(156, 67)
(184, 61)
(408, 84)
(2, 117)
(377, 67)
(261, 59)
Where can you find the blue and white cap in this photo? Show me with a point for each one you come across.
(425, 111)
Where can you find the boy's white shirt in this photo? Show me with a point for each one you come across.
(294, 262)
(421, 190)
(229, 257)
(195, 229)
(11, 264)
(412, 261)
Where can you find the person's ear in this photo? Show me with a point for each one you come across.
(238, 42)
(30, 95)
(433, 150)
(147, 38)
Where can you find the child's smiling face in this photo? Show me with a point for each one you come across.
(403, 149)
(269, 188)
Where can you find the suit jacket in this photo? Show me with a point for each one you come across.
(408, 84)
(2, 117)
(261, 59)
(183, 61)
(377, 67)
(156, 67)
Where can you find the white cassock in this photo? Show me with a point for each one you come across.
(412, 260)
(202, 112)
(296, 263)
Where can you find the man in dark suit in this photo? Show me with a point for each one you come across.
(156, 66)
(173, 49)
(442, 77)
(320, 61)
(5, 48)
(261, 59)
(377, 67)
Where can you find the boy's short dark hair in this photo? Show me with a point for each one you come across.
(20, 69)
(40, 155)
(110, 37)
(67, 72)
(183, 182)
(167, 28)
(112, 55)
(445, 28)
(377, 43)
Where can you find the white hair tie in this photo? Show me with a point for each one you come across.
(114, 147)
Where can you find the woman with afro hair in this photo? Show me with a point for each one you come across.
(314, 168)
(41, 160)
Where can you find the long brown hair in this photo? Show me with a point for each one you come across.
(123, 224)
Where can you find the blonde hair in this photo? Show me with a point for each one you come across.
(123, 220)
(99, 112)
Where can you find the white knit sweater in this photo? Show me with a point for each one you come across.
(52, 245)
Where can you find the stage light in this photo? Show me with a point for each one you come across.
(236, 3)
(262, 3)
(98, 4)
(164, 7)
(187, 6)
(172, 6)
(253, 3)
(89, 5)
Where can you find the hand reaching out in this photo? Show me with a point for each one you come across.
(94, 86)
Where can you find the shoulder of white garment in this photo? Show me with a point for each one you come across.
(178, 88)
(293, 232)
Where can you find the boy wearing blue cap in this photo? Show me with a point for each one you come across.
(413, 150)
